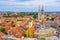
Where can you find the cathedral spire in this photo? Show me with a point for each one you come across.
(39, 9)
(42, 10)
(39, 12)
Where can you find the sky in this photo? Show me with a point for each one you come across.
(29, 5)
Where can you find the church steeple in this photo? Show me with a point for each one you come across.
(42, 10)
(39, 9)
(39, 12)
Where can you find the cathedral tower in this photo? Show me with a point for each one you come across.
(40, 14)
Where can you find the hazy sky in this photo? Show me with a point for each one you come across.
(29, 5)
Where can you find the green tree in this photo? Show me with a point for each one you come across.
(2, 30)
